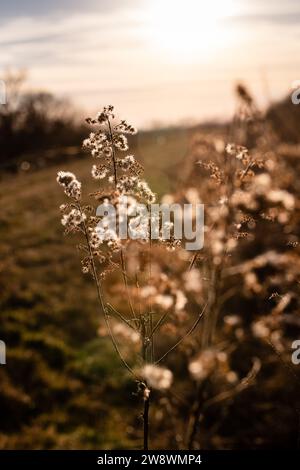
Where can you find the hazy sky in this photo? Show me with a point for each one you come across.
(155, 60)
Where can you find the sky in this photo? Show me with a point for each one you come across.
(158, 61)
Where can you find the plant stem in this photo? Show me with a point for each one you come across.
(146, 420)
(113, 152)
(122, 258)
(194, 420)
(101, 297)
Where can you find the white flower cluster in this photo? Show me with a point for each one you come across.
(127, 184)
(103, 116)
(99, 145)
(126, 333)
(99, 172)
(71, 185)
(73, 219)
(120, 142)
(204, 365)
(192, 281)
(125, 127)
(166, 301)
(157, 377)
(145, 192)
(105, 142)
(139, 187)
(238, 151)
(101, 234)
(126, 163)
(139, 227)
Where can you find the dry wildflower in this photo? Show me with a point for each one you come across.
(73, 219)
(145, 192)
(181, 300)
(120, 142)
(126, 128)
(64, 178)
(243, 93)
(123, 332)
(192, 281)
(127, 184)
(99, 172)
(127, 162)
(283, 197)
(164, 301)
(237, 151)
(71, 185)
(105, 251)
(215, 172)
(157, 377)
(103, 116)
(122, 173)
(203, 365)
(148, 291)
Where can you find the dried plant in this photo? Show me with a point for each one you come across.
(247, 194)
(105, 252)
(246, 200)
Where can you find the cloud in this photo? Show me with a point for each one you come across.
(76, 39)
(44, 8)
(277, 19)
(98, 51)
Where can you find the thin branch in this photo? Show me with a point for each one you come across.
(189, 332)
(146, 421)
(157, 325)
(121, 316)
(242, 385)
(113, 151)
(101, 299)
(125, 279)
(106, 317)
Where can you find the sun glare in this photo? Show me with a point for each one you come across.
(189, 28)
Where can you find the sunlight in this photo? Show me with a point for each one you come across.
(187, 29)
